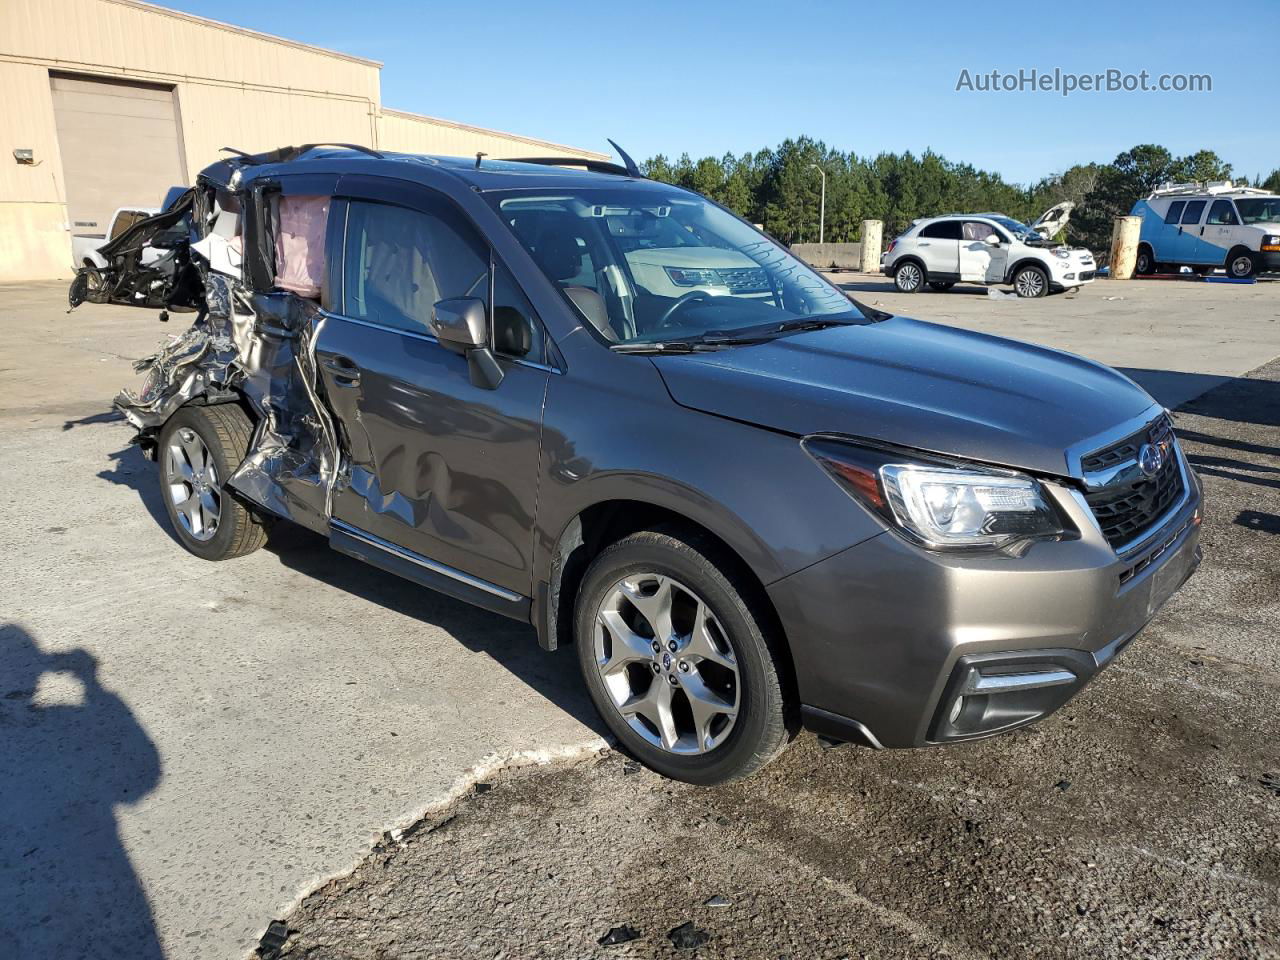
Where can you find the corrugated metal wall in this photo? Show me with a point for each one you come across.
(233, 87)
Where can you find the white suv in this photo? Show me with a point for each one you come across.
(983, 248)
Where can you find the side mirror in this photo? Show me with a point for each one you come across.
(461, 326)
(993, 240)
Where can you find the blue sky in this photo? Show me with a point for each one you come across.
(709, 77)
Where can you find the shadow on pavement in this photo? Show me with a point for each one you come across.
(67, 888)
(512, 644)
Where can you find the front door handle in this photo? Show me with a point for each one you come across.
(345, 372)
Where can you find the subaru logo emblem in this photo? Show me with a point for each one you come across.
(1150, 459)
(666, 661)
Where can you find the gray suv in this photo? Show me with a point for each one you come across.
(609, 408)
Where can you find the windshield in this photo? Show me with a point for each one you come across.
(1259, 209)
(1017, 228)
(647, 264)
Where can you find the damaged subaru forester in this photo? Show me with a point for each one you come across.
(608, 407)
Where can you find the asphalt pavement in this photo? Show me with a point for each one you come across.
(188, 748)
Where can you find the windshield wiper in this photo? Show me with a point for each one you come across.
(664, 346)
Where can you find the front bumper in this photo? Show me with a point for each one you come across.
(888, 638)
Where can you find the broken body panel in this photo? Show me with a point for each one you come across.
(248, 347)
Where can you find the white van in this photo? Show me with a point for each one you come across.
(1210, 225)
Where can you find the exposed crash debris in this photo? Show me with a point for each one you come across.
(687, 936)
(271, 942)
(251, 342)
(717, 901)
(147, 265)
(619, 935)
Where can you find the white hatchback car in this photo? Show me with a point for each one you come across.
(984, 248)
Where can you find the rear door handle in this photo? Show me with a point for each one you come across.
(345, 372)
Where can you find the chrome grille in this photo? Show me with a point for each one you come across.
(744, 279)
(1126, 502)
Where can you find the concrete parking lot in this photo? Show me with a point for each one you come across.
(190, 747)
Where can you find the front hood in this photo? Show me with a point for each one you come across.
(710, 257)
(915, 384)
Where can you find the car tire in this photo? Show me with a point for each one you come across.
(728, 656)
(1031, 281)
(909, 277)
(1240, 264)
(199, 448)
(941, 286)
(1145, 264)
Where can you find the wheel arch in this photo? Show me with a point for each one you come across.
(1027, 262)
(605, 522)
(910, 258)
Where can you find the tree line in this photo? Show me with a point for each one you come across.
(779, 188)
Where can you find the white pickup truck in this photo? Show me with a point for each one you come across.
(85, 246)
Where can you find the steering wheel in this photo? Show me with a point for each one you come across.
(693, 296)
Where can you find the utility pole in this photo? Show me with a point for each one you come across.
(822, 210)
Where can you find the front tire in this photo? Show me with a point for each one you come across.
(1240, 265)
(678, 659)
(199, 448)
(908, 277)
(1031, 281)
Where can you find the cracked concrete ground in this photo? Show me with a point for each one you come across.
(1142, 821)
(187, 747)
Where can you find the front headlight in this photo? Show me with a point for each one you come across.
(939, 504)
(1062, 252)
(694, 277)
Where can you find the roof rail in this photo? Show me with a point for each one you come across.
(593, 166)
(1208, 188)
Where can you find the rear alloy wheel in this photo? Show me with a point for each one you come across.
(1031, 282)
(1240, 265)
(909, 277)
(198, 449)
(677, 662)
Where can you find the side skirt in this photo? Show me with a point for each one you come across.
(385, 555)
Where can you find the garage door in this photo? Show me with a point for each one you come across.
(120, 147)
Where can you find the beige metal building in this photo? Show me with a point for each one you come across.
(108, 103)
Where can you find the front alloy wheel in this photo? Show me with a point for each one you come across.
(1031, 282)
(666, 663)
(677, 649)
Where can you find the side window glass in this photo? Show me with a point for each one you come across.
(399, 262)
(517, 332)
(1222, 213)
(1175, 211)
(1193, 211)
(974, 230)
(945, 230)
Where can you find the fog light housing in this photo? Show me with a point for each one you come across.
(990, 693)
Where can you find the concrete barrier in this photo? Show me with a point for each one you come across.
(1124, 246)
(872, 245)
(825, 256)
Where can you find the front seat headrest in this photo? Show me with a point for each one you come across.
(558, 253)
